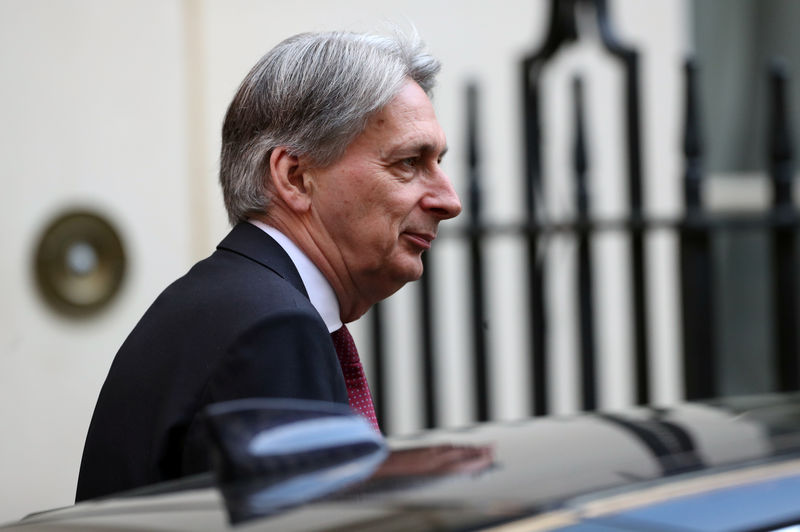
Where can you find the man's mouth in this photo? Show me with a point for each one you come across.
(421, 240)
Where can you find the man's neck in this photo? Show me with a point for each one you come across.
(351, 305)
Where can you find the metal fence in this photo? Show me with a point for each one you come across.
(695, 230)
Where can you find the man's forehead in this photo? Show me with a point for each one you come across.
(406, 124)
(407, 132)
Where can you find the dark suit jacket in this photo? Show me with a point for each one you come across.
(238, 324)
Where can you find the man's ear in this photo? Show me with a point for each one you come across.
(288, 179)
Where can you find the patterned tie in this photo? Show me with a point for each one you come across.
(357, 389)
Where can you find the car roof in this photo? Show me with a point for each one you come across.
(639, 468)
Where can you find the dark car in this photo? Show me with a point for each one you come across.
(726, 465)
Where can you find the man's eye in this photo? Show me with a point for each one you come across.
(411, 162)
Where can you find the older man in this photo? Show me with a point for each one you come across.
(331, 178)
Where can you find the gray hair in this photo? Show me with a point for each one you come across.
(313, 94)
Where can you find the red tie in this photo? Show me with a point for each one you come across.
(357, 388)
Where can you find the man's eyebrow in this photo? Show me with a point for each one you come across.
(414, 149)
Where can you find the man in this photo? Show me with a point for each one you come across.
(331, 178)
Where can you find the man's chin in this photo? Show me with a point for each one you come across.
(413, 271)
(406, 275)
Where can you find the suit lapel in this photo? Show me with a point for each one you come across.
(251, 242)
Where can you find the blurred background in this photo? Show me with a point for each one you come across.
(111, 110)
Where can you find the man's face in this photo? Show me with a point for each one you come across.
(380, 204)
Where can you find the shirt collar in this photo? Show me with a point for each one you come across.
(320, 291)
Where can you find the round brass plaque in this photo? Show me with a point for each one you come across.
(80, 263)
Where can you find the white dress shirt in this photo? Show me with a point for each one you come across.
(319, 289)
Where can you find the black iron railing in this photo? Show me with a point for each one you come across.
(695, 229)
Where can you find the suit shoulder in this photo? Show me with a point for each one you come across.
(228, 282)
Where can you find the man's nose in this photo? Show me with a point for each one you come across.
(442, 199)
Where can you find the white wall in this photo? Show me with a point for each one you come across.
(92, 105)
(118, 105)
